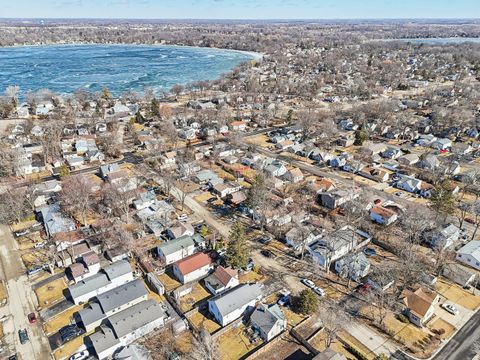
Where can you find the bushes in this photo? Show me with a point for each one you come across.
(355, 352)
(402, 318)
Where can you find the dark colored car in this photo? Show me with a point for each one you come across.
(32, 318)
(369, 252)
(267, 253)
(69, 332)
(23, 335)
(265, 239)
(13, 357)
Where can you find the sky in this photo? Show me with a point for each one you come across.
(240, 9)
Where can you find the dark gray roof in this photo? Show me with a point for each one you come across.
(237, 297)
(88, 285)
(265, 317)
(121, 295)
(103, 339)
(118, 269)
(135, 317)
(90, 314)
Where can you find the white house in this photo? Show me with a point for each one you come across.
(383, 216)
(336, 245)
(269, 321)
(221, 280)
(441, 144)
(127, 326)
(193, 267)
(109, 278)
(470, 254)
(178, 249)
(294, 175)
(232, 304)
(353, 266)
(444, 237)
(420, 305)
(409, 184)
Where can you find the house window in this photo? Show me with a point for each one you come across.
(477, 263)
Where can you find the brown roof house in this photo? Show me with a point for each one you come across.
(221, 280)
(420, 305)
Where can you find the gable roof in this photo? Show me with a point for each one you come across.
(171, 247)
(135, 317)
(237, 297)
(472, 249)
(121, 295)
(420, 301)
(265, 317)
(193, 262)
(224, 275)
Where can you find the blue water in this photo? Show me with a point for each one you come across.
(64, 69)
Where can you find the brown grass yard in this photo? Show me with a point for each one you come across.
(51, 293)
(202, 320)
(442, 324)
(235, 343)
(61, 320)
(198, 293)
(169, 282)
(458, 295)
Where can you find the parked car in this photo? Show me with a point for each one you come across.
(267, 253)
(82, 355)
(13, 357)
(23, 335)
(369, 252)
(265, 239)
(34, 270)
(69, 332)
(450, 308)
(308, 283)
(250, 265)
(40, 245)
(32, 318)
(182, 217)
(319, 291)
(284, 300)
(211, 200)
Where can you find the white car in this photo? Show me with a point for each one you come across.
(308, 283)
(319, 291)
(182, 217)
(82, 355)
(450, 308)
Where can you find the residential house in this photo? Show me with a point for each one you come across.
(408, 159)
(294, 175)
(108, 169)
(374, 148)
(221, 280)
(284, 145)
(338, 197)
(337, 244)
(232, 304)
(409, 183)
(74, 162)
(193, 267)
(180, 230)
(420, 305)
(125, 327)
(189, 169)
(276, 168)
(426, 140)
(374, 173)
(300, 236)
(444, 237)
(441, 144)
(108, 278)
(144, 200)
(238, 126)
(392, 153)
(269, 321)
(109, 303)
(353, 266)
(459, 275)
(470, 254)
(178, 249)
(54, 221)
(382, 215)
(429, 162)
(88, 265)
(205, 176)
(224, 189)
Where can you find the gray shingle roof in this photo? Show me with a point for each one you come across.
(265, 317)
(135, 317)
(121, 295)
(237, 297)
(90, 314)
(182, 242)
(103, 339)
(118, 269)
(88, 285)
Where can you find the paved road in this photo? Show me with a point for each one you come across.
(460, 347)
(21, 302)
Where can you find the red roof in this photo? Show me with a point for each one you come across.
(193, 262)
(224, 275)
(91, 258)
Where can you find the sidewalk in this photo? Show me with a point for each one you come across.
(375, 342)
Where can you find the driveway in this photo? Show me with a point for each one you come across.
(21, 302)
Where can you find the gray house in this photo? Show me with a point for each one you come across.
(353, 266)
(269, 321)
(54, 221)
(110, 302)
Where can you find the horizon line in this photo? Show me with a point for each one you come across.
(241, 19)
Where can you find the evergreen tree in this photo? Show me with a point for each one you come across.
(307, 302)
(238, 250)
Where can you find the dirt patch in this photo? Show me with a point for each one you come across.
(51, 293)
(61, 320)
(203, 320)
(3, 294)
(198, 293)
(442, 326)
(169, 282)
